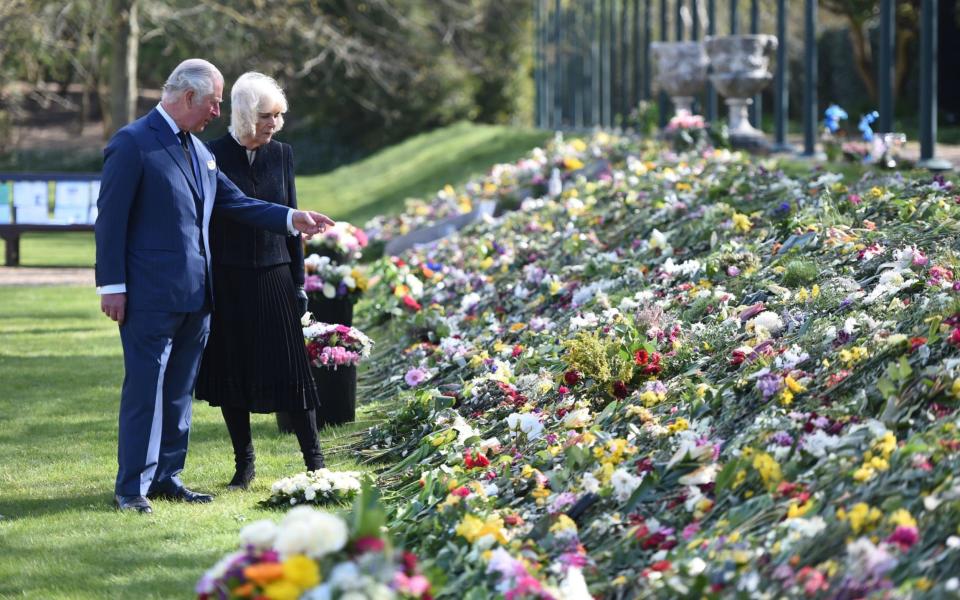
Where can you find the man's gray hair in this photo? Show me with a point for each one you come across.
(192, 74)
(254, 93)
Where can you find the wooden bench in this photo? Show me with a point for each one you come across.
(12, 230)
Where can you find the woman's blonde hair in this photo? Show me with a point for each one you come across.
(252, 94)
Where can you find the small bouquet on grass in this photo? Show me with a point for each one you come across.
(689, 132)
(313, 554)
(342, 239)
(315, 487)
(326, 279)
(332, 346)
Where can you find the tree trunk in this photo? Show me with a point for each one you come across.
(125, 46)
(862, 55)
(904, 60)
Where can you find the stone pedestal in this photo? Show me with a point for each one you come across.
(681, 71)
(740, 71)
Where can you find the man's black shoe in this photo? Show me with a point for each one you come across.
(181, 494)
(133, 503)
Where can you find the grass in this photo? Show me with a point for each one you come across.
(61, 370)
(376, 185)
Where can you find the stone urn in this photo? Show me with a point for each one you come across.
(741, 68)
(681, 71)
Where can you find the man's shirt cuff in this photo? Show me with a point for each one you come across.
(290, 228)
(116, 288)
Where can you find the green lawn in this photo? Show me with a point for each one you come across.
(376, 185)
(60, 375)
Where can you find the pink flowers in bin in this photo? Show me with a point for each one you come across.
(333, 346)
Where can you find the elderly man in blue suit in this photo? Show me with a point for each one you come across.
(159, 188)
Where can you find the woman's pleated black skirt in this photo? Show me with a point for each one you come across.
(255, 358)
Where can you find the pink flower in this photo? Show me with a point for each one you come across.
(415, 586)
(416, 376)
(904, 536)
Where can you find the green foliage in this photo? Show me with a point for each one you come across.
(601, 359)
(800, 272)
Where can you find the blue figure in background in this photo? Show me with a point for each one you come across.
(832, 117)
(864, 125)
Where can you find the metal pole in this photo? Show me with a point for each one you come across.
(625, 84)
(576, 65)
(678, 26)
(695, 28)
(537, 66)
(756, 109)
(810, 82)
(549, 55)
(711, 91)
(586, 62)
(595, 70)
(559, 83)
(928, 89)
(781, 94)
(734, 25)
(606, 43)
(647, 34)
(885, 76)
(664, 36)
(637, 55)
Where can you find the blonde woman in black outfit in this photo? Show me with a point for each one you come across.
(255, 360)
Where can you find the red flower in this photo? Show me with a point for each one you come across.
(475, 460)
(954, 338)
(562, 390)
(640, 357)
(916, 342)
(661, 565)
(517, 351)
(571, 377)
(620, 390)
(513, 520)
(368, 544)
(409, 562)
(410, 303)
(462, 491)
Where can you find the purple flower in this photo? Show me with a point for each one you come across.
(782, 438)
(769, 385)
(562, 501)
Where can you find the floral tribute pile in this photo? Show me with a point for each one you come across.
(680, 376)
(316, 555)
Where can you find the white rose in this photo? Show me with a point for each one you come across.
(329, 291)
(576, 419)
(259, 534)
(624, 484)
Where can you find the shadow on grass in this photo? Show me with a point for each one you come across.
(25, 508)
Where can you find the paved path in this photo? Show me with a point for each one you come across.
(46, 276)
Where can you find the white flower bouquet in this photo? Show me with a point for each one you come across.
(315, 487)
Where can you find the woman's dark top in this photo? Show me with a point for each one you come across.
(269, 178)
